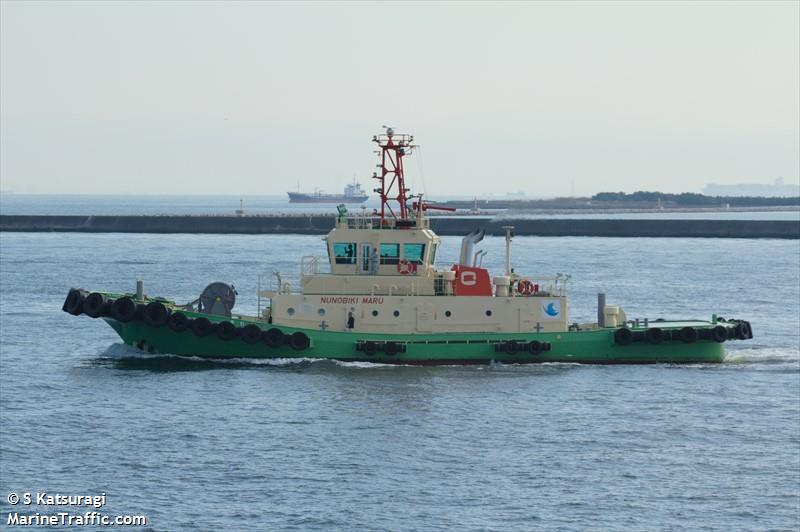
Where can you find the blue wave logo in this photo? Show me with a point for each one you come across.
(550, 309)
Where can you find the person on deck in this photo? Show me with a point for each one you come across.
(373, 262)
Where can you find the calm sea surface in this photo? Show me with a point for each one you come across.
(241, 445)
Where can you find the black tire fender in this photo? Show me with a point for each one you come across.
(741, 329)
(202, 326)
(250, 333)
(94, 305)
(226, 330)
(535, 347)
(370, 347)
(299, 341)
(155, 314)
(623, 336)
(719, 333)
(688, 335)
(273, 337)
(123, 309)
(391, 348)
(73, 304)
(178, 322)
(654, 335)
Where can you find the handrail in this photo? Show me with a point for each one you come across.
(551, 285)
(309, 265)
(371, 222)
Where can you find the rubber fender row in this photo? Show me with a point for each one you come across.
(687, 335)
(156, 314)
(512, 347)
(371, 347)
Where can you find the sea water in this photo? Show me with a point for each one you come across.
(300, 445)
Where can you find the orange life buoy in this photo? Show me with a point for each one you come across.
(405, 267)
(525, 287)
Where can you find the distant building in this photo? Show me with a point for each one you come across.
(776, 189)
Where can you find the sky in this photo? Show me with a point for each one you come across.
(540, 98)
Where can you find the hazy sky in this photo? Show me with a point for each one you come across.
(250, 98)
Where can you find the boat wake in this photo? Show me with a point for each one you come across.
(763, 355)
(122, 356)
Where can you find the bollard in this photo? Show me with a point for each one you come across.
(139, 290)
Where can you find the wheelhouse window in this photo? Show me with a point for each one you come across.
(414, 252)
(433, 254)
(344, 252)
(390, 253)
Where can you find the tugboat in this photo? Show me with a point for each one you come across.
(384, 300)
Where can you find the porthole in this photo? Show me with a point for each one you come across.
(321, 312)
(396, 313)
(374, 312)
(448, 313)
(488, 312)
(290, 311)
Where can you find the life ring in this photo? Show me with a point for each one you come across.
(299, 341)
(623, 336)
(155, 314)
(202, 326)
(654, 335)
(404, 267)
(226, 330)
(250, 333)
(524, 287)
(689, 335)
(94, 305)
(123, 309)
(178, 322)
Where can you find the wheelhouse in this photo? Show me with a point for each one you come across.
(363, 246)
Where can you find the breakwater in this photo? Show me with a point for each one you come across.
(311, 224)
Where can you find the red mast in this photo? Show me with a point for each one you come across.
(393, 148)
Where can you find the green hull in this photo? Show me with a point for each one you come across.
(588, 347)
(220, 337)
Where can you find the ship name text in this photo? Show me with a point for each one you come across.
(351, 300)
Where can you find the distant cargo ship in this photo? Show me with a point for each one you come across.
(353, 193)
